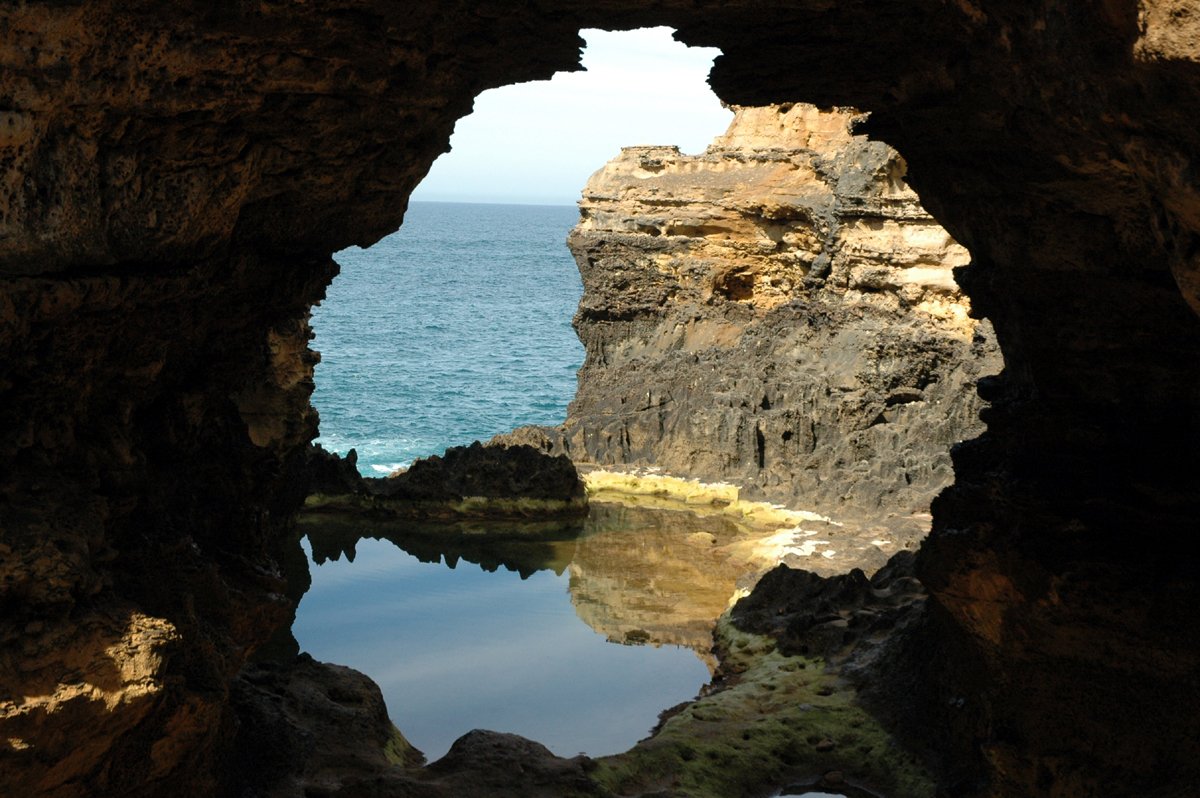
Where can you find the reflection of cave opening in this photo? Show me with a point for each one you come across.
(518, 634)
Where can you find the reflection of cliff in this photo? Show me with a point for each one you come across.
(637, 575)
(779, 312)
(334, 534)
(650, 576)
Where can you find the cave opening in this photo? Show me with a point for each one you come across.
(468, 306)
(455, 329)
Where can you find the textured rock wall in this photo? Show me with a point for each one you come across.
(148, 475)
(779, 312)
(172, 182)
(173, 178)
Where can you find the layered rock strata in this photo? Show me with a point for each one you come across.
(779, 312)
(174, 177)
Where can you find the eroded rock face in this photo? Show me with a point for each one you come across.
(147, 477)
(778, 312)
(173, 178)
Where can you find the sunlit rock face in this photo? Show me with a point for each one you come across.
(779, 312)
(174, 177)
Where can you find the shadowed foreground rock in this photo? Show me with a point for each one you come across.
(305, 724)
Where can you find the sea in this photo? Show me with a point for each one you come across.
(454, 329)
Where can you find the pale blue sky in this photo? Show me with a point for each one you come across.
(539, 142)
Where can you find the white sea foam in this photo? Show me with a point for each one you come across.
(387, 468)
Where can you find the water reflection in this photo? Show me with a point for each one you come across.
(501, 646)
(649, 575)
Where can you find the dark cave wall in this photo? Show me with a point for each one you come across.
(1056, 142)
(174, 179)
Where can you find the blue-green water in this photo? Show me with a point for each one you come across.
(454, 329)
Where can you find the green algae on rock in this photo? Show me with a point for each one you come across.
(770, 719)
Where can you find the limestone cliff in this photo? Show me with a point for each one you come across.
(779, 312)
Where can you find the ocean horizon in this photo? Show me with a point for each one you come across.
(455, 328)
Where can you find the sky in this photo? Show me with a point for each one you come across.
(538, 142)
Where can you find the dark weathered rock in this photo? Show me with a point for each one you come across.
(489, 472)
(829, 616)
(332, 475)
(513, 487)
(306, 725)
(492, 763)
(310, 728)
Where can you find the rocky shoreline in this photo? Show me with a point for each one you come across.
(465, 484)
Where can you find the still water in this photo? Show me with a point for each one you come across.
(577, 641)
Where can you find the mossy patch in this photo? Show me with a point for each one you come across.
(520, 507)
(662, 491)
(779, 720)
(399, 751)
(638, 483)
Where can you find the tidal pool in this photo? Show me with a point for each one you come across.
(577, 640)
